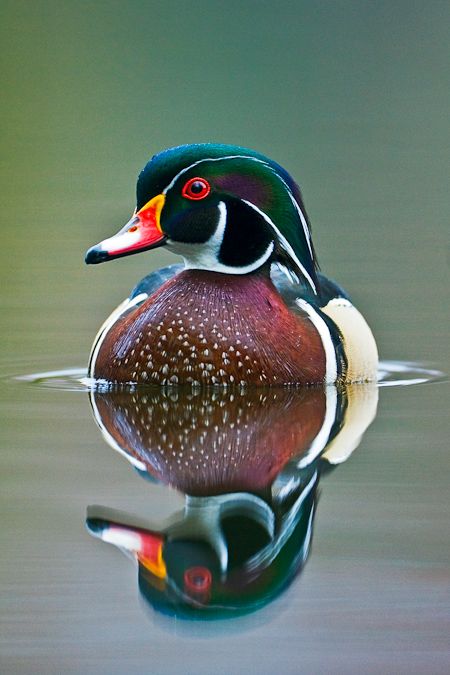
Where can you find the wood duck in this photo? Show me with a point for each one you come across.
(249, 307)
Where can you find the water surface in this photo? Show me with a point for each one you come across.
(372, 522)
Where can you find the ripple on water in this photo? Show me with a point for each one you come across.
(68, 379)
(390, 374)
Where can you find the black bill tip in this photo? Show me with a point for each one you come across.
(95, 256)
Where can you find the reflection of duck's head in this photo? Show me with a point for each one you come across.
(249, 465)
(212, 442)
(223, 556)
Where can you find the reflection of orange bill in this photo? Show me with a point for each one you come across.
(146, 545)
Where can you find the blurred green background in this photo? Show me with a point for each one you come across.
(351, 96)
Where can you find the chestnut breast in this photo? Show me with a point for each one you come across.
(206, 328)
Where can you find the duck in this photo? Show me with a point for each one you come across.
(249, 306)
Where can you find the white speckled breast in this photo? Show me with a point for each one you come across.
(206, 328)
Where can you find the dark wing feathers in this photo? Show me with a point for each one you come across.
(327, 289)
(155, 280)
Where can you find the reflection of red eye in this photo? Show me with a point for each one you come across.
(196, 188)
(197, 579)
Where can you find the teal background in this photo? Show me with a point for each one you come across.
(352, 97)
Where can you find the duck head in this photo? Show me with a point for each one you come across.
(223, 208)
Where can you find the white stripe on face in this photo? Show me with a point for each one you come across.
(301, 214)
(284, 243)
(259, 161)
(209, 159)
(206, 256)
(283, 240)
(288, 525)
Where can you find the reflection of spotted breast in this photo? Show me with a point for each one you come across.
(210, 443)
(208, 328)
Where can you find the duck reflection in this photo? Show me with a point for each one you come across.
(249, 464)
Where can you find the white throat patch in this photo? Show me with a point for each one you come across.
(205, 256)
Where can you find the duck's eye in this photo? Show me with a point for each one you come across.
(196, 188)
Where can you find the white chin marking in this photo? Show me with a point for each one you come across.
(206, 256)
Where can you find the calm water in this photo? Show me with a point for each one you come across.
(351, 98)
(373, 592)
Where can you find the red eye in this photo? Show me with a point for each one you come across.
(196, 188)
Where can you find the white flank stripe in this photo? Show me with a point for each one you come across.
(110, 321)
(339, 302)
(324, 332)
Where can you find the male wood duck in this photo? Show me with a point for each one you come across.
(249, 307)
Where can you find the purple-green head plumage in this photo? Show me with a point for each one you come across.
(224, 208)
